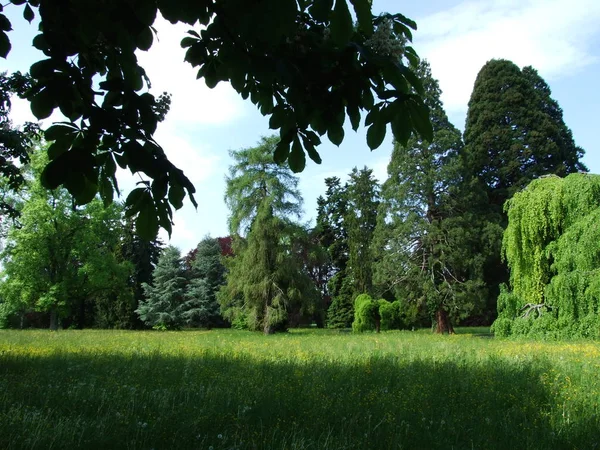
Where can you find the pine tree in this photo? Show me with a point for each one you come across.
(164, 307)
(207, 274)
(418, 239)
(514, 133)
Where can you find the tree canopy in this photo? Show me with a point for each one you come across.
(551, 247)
(303, 63)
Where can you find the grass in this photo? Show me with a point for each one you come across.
(307, 389)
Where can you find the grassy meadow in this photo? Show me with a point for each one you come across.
(307, 389)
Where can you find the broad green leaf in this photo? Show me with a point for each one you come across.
(297, 157)
(336, 134)
(159, 187)
(376, 134)
(176, 195)
(43, 104)
(282, 150)
(362, 8)
(419, 113)
(58, 130)
(412, 78)
(341, 23)
(28, 13)
(146, 223)
(311, 150)
(401, 126)
(144, 39)
(56, 172)
(5, 23)
(134, 198)
(320, 10)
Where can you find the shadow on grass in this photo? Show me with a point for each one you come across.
(156, 401)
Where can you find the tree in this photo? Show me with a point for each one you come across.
(61, 259)
(514, 133)
(362, 193)
(303, 63)
(550, 245)
(164, 306)
(143, 254)
(206, 276)
(15, 145)
(418, 236)
(265, 280)
(333, 238)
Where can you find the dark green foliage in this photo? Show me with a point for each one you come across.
(514, 133)
(419, 239)
(14, 144)
(362, 194)
(551, 247)
(143, 254)
(303, 64)
(267, 286)
(206, 275)
(340, 313)
(164, 306)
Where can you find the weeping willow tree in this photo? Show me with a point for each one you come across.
(551, 247)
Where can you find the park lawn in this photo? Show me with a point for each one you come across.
(306, 389)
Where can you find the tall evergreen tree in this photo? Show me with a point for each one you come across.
(264, 280)
(358, 202)
(514, 133)
(207, 274)
(418, 238)
(332, 236)
(362, 192)
(164, 304)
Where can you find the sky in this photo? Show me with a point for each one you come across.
(560, 38)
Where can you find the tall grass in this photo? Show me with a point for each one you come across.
(228, 389)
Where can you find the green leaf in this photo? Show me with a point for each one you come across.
(354, 114)
(376, 134)
(4, 44)
(159, 187)
(43, 104)
(282, 150)
(297, 157)
(336, 134)
(311, 150)
(176, 195)
(134, 198)
(58, 130)
(146, 223)
(320, 10)
(56, 172)
(5, 23)
(341, 23)
(419, 113)
(362, 8)
(401, 126)
(188, 42)
(412, 79)
(28, 13)
(145, 39)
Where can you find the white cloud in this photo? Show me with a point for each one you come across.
(550, 35)
(192, 101)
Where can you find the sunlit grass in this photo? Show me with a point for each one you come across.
(305, 389)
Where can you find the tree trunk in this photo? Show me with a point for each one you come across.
(377, 322)
(443, 324)
(54, 320)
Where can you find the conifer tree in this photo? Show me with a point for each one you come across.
(164, 307)
(207, 274)
(265, 279)
(418, 238)
(514, 133)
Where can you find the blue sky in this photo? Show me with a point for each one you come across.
(560, 38)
